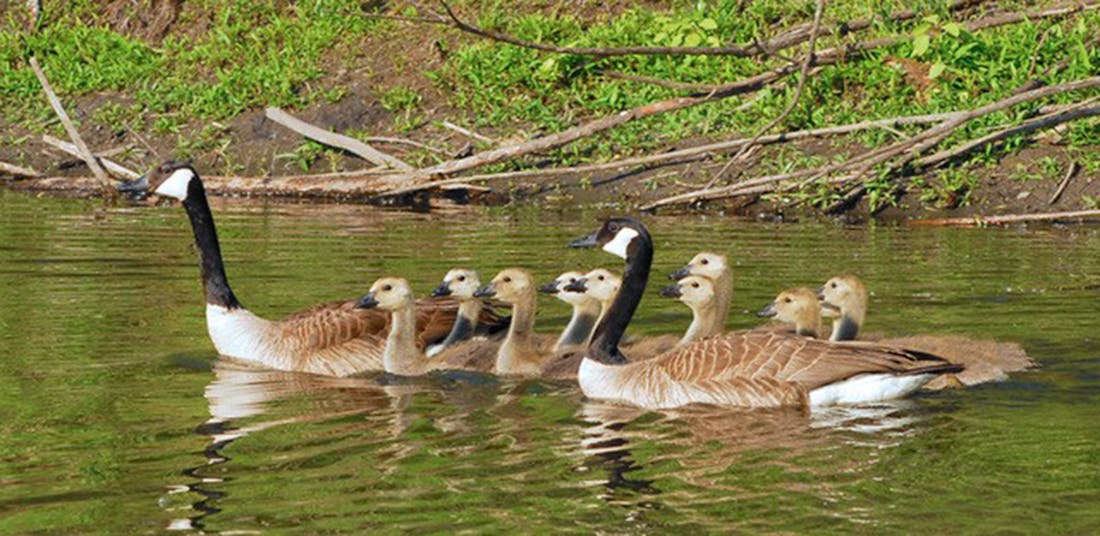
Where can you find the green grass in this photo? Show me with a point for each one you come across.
(251, 54)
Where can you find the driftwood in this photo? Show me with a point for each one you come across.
(13, 170)
(979, 221)
(84, 153)
(112, 167)
(340, 141)
(1065, 182)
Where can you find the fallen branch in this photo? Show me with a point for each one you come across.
(112, 167)
(980, 221)
(13, 170)
(684, 154)
(793, 37)
(819, 10)
(912, 146)
(84, 153)
(747, 85)
(1065, 182)
(332, 139)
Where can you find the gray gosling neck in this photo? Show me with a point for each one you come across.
(586, 315)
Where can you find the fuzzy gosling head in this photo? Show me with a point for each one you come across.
(388, 294)
(460, 283)
(511, 286)
(706, 264)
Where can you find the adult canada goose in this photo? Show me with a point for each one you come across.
(461, 284)
(700, 294)
(798, 307)
(523, 350)
(586, 311)
(985, 360)
(715, 267)
(757, 369)
(335, 339)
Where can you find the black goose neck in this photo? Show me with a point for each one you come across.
(846, 329)
(214, 282)
(604, 346)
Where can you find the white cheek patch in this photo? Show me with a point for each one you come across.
(176, 184)
(618, 245)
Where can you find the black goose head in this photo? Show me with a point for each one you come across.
(618, 236)
(170, 179)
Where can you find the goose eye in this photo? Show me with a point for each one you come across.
(613, 227)
(461, 278)
(706, 261)
(695, 285)
(387, 288)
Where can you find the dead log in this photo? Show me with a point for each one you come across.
(981, 221)
(332, 139)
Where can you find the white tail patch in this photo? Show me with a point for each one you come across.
(239, 333)
(866, 388)
(176, 184)
(618, 245)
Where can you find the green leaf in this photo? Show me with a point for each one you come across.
(693, 40)
(952, 29)
(708, 24)
(937, 69)
(921, 44)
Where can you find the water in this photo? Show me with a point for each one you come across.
(117, 417)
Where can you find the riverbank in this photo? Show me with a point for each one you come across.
(186, 83)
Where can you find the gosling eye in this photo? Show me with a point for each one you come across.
(387, 288)
(705, 261)
(833, 284)
(600, 278)
(507, 279)
(787, 300)
(461, 278)
(572, 280)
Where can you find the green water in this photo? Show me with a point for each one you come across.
(117, 418)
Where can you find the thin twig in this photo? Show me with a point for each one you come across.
(467, 132)
(403, 141)
(793, 37)
(84, 153)
(803, 75)
(113, 167)
(1065, 182)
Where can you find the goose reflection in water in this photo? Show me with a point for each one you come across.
(240, 394)
(705, 442)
